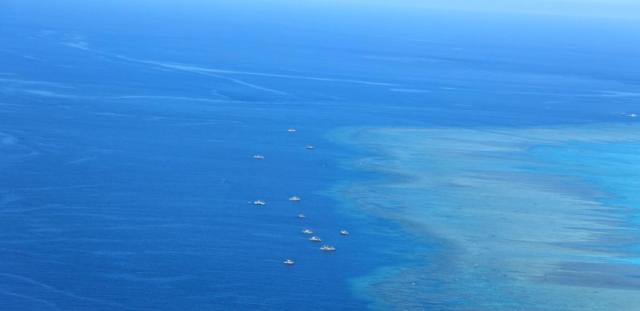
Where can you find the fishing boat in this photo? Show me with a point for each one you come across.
(295, 198)
(327, 248)
(315, 239)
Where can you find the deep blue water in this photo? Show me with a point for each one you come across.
(125, 178)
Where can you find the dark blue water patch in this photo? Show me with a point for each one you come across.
(152, 200)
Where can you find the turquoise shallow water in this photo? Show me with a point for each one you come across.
(611, 168)
(531, 218)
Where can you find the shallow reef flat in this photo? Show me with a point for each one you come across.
(515, 222)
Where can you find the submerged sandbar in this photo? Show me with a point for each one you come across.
(513, 230)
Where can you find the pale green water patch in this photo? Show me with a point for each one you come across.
(523, 218)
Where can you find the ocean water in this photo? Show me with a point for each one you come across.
(127, 131)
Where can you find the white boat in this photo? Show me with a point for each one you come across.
(301, 216)
(307, 231)
(633, 115)
(315, 239)
(258, 157)
(291, 130)
(295, 198)
(344, 232)
(327, 248)
(289, 262)
(259, 202)
(310, 147)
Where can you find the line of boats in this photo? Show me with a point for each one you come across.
(297, 199)
(315, 239)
